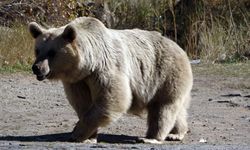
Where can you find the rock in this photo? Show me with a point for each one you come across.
(196, 61)
(21, 97)
(202, 140)
(210, 99)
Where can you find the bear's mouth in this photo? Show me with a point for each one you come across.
(43, 77)
(40, 77)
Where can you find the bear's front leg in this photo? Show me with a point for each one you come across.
(108, 106)
(83, 132)
(76, 138)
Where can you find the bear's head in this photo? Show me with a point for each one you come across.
(55, 51)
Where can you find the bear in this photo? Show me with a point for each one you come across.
(107, 73)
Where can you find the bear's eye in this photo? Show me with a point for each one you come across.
(51, 53)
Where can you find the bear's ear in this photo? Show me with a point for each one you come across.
(35, 29)
(69, 33)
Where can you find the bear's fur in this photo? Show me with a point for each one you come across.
(106, 73)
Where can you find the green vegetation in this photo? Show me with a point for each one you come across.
(15, 68)
(215, 31)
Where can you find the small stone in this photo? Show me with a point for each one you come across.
(202, 140)
(21, 97)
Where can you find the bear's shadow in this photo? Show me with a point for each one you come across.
(63, 137)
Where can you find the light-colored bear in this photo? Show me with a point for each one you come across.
(106, 73)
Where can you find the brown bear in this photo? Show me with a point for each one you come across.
(107, 72)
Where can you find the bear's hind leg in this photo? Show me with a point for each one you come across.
(180, 127)
(161, 119)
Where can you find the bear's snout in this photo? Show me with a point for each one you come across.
(41, 69)
(35, 69)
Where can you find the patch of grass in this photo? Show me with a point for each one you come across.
(239, 85)
(220, 43)
(16, 48)
(238, 70)
(15, 68)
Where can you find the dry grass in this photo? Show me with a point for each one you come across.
(228, 42)
(145, 14)
(214, 31)
(235, 70)
(219, 31)
(230, 75)
(16, 47)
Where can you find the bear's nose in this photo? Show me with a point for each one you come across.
(36, 69)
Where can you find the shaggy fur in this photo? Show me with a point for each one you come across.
(107, 73)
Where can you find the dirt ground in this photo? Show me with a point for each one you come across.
(36, 115)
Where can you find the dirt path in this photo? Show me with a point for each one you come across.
(37, 115)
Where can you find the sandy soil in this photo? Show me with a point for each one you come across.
(36, 114)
